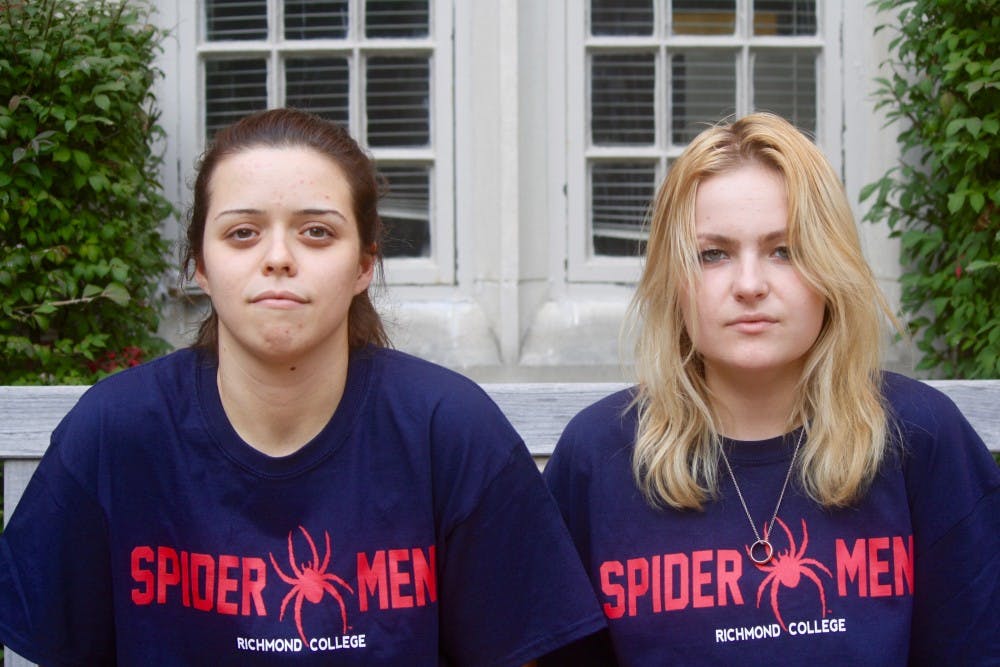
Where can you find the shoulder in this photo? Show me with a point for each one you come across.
(609, 421)
(917, 405)
(403, 369)
(412, 383)
(927, 420)
(946, 463)
(129, 401)
(132, 387)
(426, 401)
(600, 435)
(953, 491)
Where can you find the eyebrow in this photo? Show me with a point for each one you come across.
(723, 239)
(305, 211)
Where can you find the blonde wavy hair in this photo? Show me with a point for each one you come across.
(677, 448)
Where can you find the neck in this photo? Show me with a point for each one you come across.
(279, 406)
(753, 407)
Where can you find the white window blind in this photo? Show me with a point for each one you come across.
(374, 66)
(654, 74)
(236, 19)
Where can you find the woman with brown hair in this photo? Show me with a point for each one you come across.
(289, 490)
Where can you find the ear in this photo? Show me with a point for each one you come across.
(366, 271)
(200, 278)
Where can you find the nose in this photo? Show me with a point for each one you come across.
(750, 282)
(279, 257)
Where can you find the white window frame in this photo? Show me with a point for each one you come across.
(439, 267)
(582, 266)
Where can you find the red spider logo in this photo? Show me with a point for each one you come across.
(787, 568)
(311, 581)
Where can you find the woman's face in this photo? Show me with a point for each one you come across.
(756, 317)
(282, 258)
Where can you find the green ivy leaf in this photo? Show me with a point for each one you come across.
(955, 201)
(974, 125)
(954, 126)
(35, 57)
(82, 160)
(977, 200)
(117, 293)
(981, 264)
(32, 169)
(119, 270)
(867, 190)
(98, 182)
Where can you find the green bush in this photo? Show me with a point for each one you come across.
(943, 200)
(81, 255)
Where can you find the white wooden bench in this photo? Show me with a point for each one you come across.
(539, 411)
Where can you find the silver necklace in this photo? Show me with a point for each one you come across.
(762, 551)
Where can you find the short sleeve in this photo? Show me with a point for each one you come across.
(512, 586)
(953, 485)
(567, 480)
(568, 475)
(55, 588)
(587, 457)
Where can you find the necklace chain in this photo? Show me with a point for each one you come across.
(764, 543)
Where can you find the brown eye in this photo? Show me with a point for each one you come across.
(242, 234)
(318, 232)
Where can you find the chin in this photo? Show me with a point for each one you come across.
(752, 364)
(290, 349)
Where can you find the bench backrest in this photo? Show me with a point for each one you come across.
(539, 411)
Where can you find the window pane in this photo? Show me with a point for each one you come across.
(703, 90)
(319, 85)
(784, 17)
(235, 19)
(233, 88)
(704, 17)
(620, 193)
(316, 19)
(397, 18)
(784, 82)
(398, 101)
(621, 17)
(405, 210)
(623, 98)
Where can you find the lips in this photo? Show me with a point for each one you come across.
(753, 318)
(752, 323)
(278, 298)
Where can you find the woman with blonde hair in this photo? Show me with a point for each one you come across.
(765, 485)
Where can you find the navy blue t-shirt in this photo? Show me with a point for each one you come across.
(910, 575)
(414, 529)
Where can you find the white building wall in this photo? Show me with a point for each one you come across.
(511, 312)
